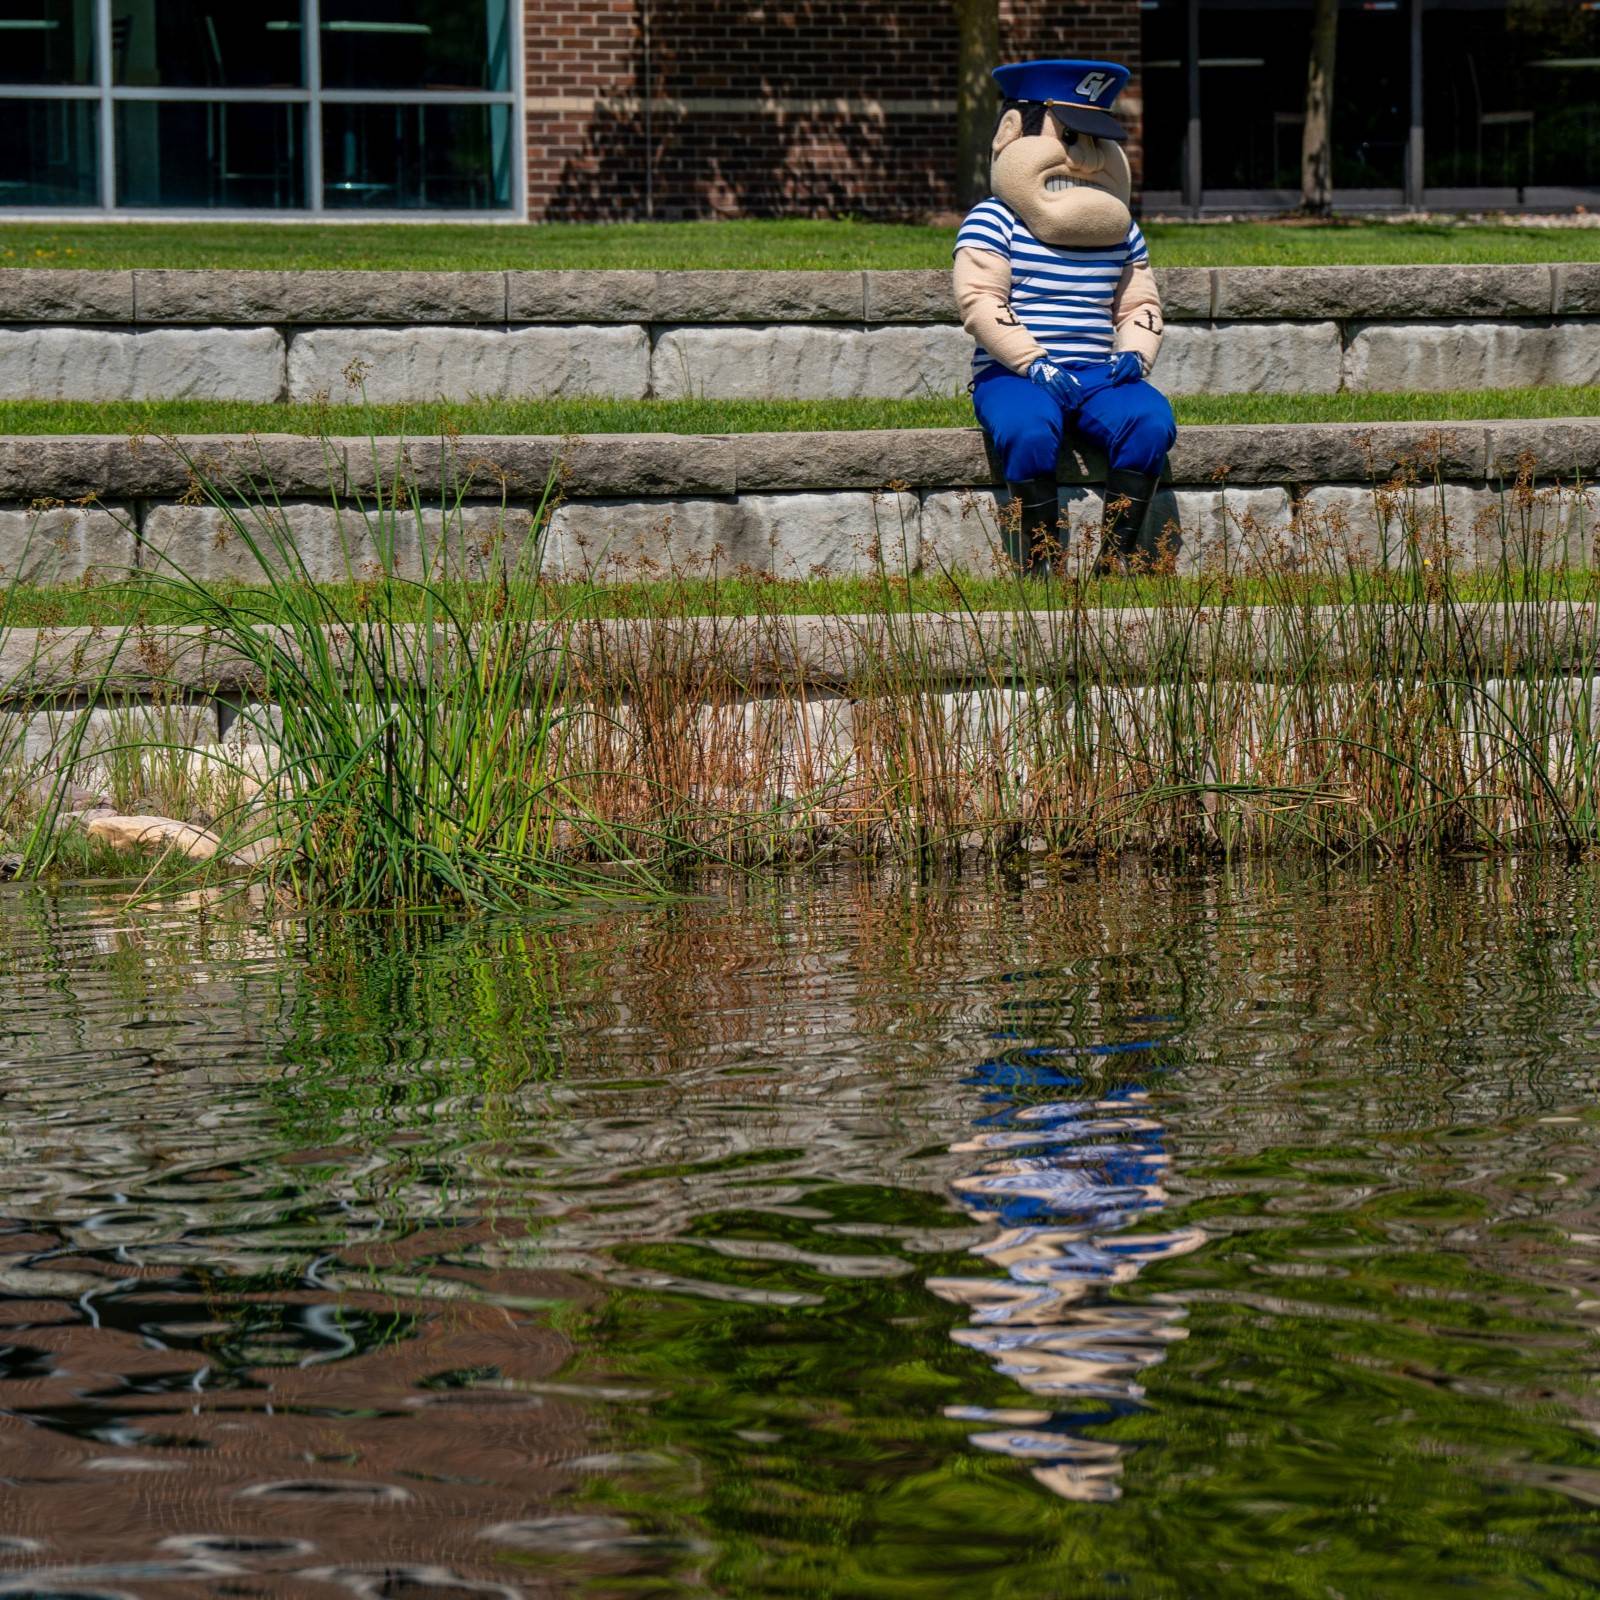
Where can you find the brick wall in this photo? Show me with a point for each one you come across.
(799, 107)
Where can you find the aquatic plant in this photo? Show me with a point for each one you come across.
(1401, 680)
(461, 721)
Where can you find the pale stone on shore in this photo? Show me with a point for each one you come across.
(160, 833)
(172, 836)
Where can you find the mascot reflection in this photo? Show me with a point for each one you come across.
(1069, 1180)
(1053, 281)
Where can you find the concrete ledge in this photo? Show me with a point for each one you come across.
(309, 298)
(426, 336)
(70, 467)
(784, 360)
(158, 296)
(51, 294)
(861, 653)
(712, 296)
(1402, 294)
(789, 504)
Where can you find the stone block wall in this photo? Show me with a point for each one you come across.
(421, 337)
(788, 504)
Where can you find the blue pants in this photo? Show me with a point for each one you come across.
(1131, 422)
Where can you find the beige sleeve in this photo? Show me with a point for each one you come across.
(1136, 311)
(983, 296)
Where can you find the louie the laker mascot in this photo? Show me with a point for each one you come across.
(1053, 280)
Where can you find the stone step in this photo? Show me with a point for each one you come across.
(421, 337)
(648, 465)
(175, 672)
(80, 508)
(159, 297)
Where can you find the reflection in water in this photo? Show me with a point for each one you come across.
(427, 1258)
(1063, 1181)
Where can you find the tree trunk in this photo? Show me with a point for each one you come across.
(1316, 150)
(978, 23)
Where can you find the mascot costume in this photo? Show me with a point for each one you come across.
(1053, 281)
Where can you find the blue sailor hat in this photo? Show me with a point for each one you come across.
(1078, 93)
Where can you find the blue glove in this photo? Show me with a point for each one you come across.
(1126, 367)
(1061, 383)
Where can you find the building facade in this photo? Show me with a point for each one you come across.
(630, 109)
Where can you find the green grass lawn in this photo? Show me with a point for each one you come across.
(157, 418)
(799, 244)
(136, 600)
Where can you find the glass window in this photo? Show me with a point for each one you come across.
(190, 155)
(430, 158)
(47, 41)
(1511, 96)
(50, 155)
(1165, 85)
(209, 109)
(416, 44)
(197, 44)
(1253, 89)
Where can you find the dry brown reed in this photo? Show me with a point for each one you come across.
(1323, 685)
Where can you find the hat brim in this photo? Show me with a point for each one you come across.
(1086, 119)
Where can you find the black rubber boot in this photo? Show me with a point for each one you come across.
(1128, 497)
(1034, 535)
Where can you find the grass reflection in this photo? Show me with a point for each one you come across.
(664, 1192)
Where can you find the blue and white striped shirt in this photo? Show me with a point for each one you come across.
(1062, 296)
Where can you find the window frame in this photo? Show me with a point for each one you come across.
(1195, 200)
(107, 95)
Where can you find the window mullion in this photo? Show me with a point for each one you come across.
(106, 123)
(311, 31)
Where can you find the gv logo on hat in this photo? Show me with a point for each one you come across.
(1094, 84)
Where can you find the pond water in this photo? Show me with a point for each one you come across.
(1111, 1234)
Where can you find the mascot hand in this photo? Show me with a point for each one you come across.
(1062, 384)
(1128, 367)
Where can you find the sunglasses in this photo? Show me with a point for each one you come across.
(1068, 136)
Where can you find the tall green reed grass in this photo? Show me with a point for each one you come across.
(1414, 675)
(404, 759)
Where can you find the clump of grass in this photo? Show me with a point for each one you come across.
(1325, 687)
(448, 726)
(400, 756)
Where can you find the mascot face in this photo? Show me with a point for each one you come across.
(1070, 189)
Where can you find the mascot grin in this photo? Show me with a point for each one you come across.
(1053, 282)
